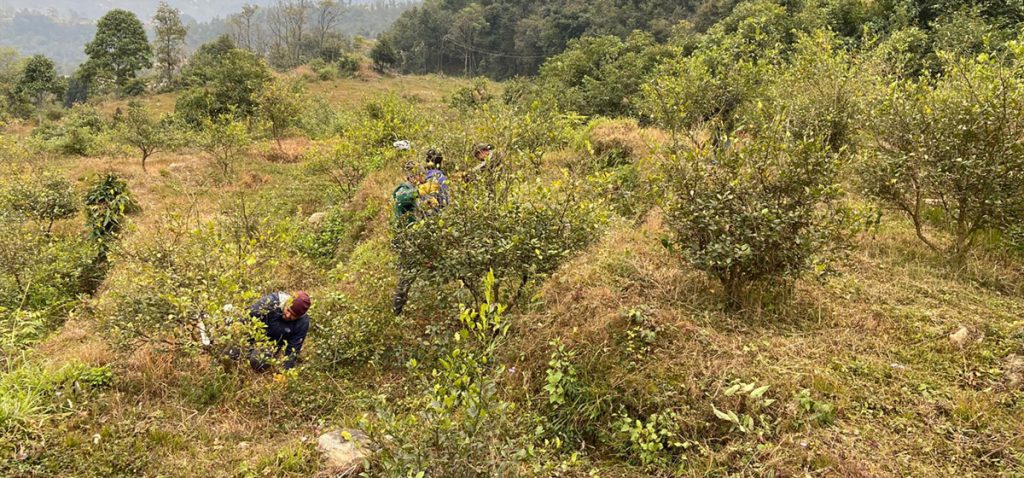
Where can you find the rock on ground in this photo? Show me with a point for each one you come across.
(317, 218)
(345, 451)
(960, 336)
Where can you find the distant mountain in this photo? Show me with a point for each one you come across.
(60, 29)
(199, 9)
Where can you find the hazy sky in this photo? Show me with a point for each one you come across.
(199, 9)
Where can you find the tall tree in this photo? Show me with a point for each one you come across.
(39, 80)
(465, 29)
(120, 48)
(244, 27)
(169, 42)
(327, 15)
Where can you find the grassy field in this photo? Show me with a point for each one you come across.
(868, 373)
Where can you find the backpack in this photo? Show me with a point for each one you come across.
(432, 193)
(406, 196)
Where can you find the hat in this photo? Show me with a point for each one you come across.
(300, 304)
(434, 157)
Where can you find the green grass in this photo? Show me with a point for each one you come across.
(864, 379)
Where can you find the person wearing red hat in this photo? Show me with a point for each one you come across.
(286, 324)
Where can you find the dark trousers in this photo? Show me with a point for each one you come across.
(258, 360)
(405, 281)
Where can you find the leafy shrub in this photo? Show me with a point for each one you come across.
(339, 233)
(519, 230)
(317, 119)
(46, 198)
(384, 56)
(601, 75)
(279, 104)
(224, 140)
(767, 209)
(561, 374)
(186, 274)
(41, 271)
(456, 423)
(641, 335)
(828, 104)
(471, 97)
(108, 202)
(339, 160)
(388, 118)
(701, 90)
(80, 133)
(223, 81)
(652, 442)
(323, 71)
(348, 65)
(951, 146)
(906, 53)
(148, 135)
(359, 326)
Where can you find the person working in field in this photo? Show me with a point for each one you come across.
(486, 160)
(419, 197)
(286, 324)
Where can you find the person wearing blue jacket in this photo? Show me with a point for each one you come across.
(286, 325)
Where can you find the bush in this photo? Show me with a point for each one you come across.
(222, 81)
(769, 208)
(830, 88)
(317, 119)
(41, 271)
(501, 223)
(602, 75)
(280, 104)
(384, 56)
(46, 198)
(471, 97)
(108, 202)
(946, 152)
(706, 89)
(184, 274)
(348, 65)
(323, 71)
(81, 133)
(456, 423)
(146, 134)
(224, 140)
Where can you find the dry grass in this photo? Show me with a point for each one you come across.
(873, 342)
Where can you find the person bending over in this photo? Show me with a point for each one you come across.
(285, 323)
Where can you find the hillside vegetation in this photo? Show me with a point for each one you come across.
(758, 249)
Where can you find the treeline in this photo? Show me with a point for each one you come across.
(123, 58)
(61, 38)
(505, 38)
(293, 32)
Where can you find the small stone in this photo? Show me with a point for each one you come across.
(317, 218)
(345, 451)
(960, 336)
(1014, 369)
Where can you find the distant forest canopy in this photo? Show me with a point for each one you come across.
(201, 10)
(507, 38)
(61, 34)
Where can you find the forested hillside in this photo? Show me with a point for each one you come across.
(767, 238)
(504, 38)
(60, 32)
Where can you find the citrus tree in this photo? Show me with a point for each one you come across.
(947, 153)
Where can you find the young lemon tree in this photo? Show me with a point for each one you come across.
(770, 207)
(947, 152)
